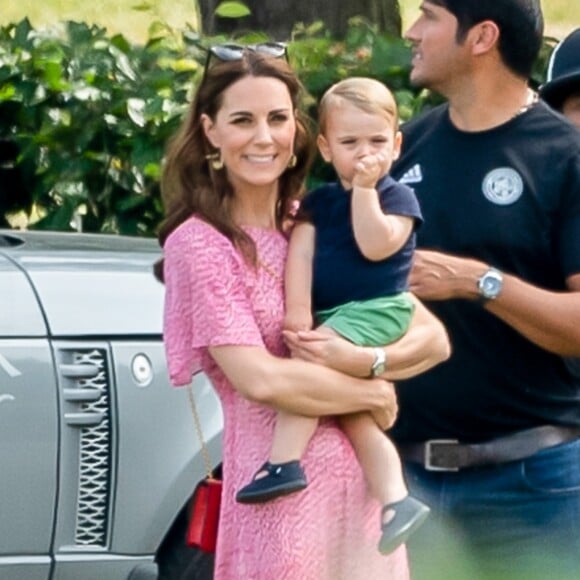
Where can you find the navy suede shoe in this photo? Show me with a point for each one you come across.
(410, 514)
(281, 479)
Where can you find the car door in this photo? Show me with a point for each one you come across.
(28, 431)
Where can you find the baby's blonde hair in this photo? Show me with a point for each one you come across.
(367, 94)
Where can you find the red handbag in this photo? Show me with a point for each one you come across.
(202, 529)
(204, 516)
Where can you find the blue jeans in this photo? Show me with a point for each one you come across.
(519, 520)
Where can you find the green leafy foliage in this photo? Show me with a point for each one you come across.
(85, 117)
(232, 10)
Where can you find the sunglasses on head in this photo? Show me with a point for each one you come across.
(230, 52)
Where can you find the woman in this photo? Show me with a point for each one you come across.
(232, 176)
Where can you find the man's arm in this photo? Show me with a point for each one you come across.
(549, 319)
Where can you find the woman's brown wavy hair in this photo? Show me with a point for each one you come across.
(190, 186)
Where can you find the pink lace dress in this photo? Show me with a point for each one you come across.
(329, 531)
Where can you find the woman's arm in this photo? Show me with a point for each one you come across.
(301, 387)
(423, 346)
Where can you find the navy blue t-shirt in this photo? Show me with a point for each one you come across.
(341, 273)
(510, 197)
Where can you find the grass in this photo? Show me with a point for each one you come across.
(133, 17)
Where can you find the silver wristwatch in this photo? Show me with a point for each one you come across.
(378, 366)
(490, 285)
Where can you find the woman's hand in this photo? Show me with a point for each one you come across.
(423, 346)
(341, 355)
(386, 416)
(331, 351)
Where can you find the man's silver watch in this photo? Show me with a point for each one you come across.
(490, 285)
(380, 362)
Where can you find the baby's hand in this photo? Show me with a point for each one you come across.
(368, 171)
(298, 319)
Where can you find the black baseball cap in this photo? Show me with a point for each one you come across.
(563, 76)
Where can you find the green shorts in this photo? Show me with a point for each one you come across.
(374, 322)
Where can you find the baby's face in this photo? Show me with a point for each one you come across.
(352, 134)
(571, 108)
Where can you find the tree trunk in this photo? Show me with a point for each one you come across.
(278, 17)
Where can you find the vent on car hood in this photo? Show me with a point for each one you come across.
(9, 241)
(86, 379)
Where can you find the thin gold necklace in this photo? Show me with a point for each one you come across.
(270, 271)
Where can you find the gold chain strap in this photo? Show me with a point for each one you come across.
(197, 422)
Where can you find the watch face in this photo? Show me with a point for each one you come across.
(491, 284)
(379, 369)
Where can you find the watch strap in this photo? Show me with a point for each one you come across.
(378, 366)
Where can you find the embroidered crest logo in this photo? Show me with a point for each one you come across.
(503, 186)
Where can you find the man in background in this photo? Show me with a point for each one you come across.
(491, 438)
(562, 88)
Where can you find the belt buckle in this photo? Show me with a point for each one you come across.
(427, 460)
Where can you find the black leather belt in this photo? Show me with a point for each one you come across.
(450, 455)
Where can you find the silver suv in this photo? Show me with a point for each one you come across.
(98, 453)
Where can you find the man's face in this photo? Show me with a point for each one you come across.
(571, 108)
(438, 59)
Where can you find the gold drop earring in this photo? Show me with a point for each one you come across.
(215, 160)
(293, 161)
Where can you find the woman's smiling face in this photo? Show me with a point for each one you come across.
(254, 130)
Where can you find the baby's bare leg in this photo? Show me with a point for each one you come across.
(377, 456)
(376, 453)
(291, 436)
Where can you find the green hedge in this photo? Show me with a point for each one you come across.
(84, 116)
